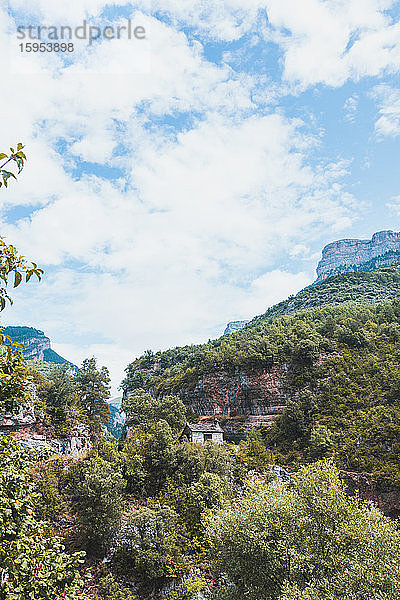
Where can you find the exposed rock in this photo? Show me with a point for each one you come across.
(386, 497)
(359, 255)
(235, 326)
(37, 345)
(258, 393)
(30, 431)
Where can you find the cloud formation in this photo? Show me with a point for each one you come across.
(166, 191)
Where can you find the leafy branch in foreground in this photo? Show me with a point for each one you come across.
(13, 262)
(10, 260)
(18, 157)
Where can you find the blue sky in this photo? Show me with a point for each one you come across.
(192, 178)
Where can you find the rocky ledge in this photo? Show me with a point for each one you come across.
(344, 256)
(30, 431)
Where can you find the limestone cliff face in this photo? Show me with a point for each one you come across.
(235, 326)
(37, 345)
(31, 431)
(257, 394)
(359, 255)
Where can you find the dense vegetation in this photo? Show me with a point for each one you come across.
(158, 517)
(259, 343)
(305, 541)
(67, 397)
(343, 381)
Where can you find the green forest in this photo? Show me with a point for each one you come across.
(155, 516)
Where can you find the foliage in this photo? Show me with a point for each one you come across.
(110, 589)
(13, 264)
(93, 387)
(306, 539)
(252, 455)
(12, 376)
(148, 550)
(59, 394)
(263, 341)
(16, 156)
(33, 563)
(189, 589)
(95, 487)
(143, 410)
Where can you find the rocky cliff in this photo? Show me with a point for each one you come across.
(37, 345)
(258, 394)
(31, 431)
(344, 256)
(385, 497)
(234, 326)
(339, 257)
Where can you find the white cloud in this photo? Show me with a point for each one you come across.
(192, 236)
(331, 41)
(350, 108)
(388, 124)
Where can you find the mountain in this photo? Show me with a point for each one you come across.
(345, 329)
(117, 421)
(234, 326)
(37, 345)
(344, 256)
(246, 372)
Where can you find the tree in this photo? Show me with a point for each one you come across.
(159, 456)
(148, 549)
(98, 503)
(33, 563)
(253, 456)
(305, 540)
(60, 394)
(143, 410)
(110, 589)
(93, 387)
(12, 375)
(208, 492)
(321, 441)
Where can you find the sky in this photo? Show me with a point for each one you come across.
(191, 177)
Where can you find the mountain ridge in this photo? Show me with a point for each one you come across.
(37, 346)
(346, 256)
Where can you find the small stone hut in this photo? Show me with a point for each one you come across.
(203, 432)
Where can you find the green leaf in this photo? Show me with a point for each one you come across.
(18, 279)
(6, 176)
(2, 155)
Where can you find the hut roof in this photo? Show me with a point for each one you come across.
(205, 427)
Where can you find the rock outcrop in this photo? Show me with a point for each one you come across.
(385, 497)
(258, 394)
(37, 345)
(30, 431)
(344, 256)
(235, 326)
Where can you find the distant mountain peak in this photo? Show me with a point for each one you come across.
(348, 255)
(37, 345)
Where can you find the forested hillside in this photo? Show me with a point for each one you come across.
(262, 342)
(338, 364)
(157, 517)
